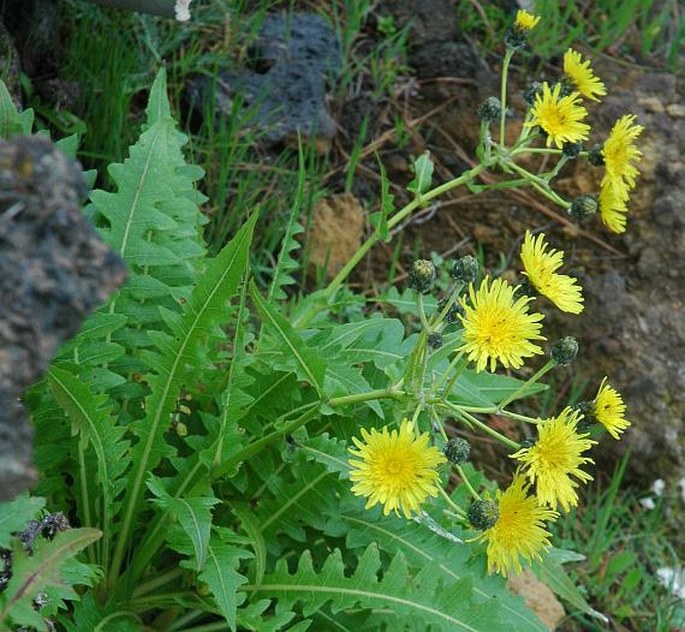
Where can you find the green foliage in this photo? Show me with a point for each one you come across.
(11, 120)
(423, 175)
(205, 426)
(398, 599)
(44, 571)
(624, 545)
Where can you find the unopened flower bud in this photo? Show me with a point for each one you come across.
(422, 276)
(490, 110)
(583, 206)
(465, 269)
(457, 450)
(483, 514)
(564, 351)
(594, 155)
(435, 340)
(571, 150)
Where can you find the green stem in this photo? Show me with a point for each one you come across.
(523, 418)
(466, 177)
(162, 600)
(156, 582)
(456, 508)
(454, 297)
(438, 422)
(422, 312)
(503, 95)
(460, 412)
(540, 185)
(548, 366)
(467, 482)
(85, 500)
(535, 150)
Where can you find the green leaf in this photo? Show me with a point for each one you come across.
(178, 357)
(31, 574)
(250, 525)
(222, 578)
(424, 548)
(89, 614)
(193, 514)
(550, 571)
(308, 365)
(11, 121)
(15, 515)
(153, 221)
(399, 599)
(488, 389)
(423, 175)
(379, 219)
(92, 416)
(285, 264)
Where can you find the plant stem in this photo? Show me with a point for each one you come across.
(548, 366)
(503, 95)
(456, 508)
(156, 582)
(466, 177)
(422, 312)
(467, 483)
(540, 185)
(460, 412)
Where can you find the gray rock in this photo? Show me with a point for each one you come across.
(282, 92)
(54, 270)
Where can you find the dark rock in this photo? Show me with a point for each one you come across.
(54, 270)
(282, 92)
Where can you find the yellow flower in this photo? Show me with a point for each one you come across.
(612, 207)
(555, 458)
(540, 268)
(526, 21)
(559, 116)
(397, 469)
(498, 327)
(519, 531)
(582, 76)
(619, 152)
(609, 410)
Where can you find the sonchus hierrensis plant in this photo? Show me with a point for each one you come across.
(219, 455)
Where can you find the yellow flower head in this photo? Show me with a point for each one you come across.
(560, 117)
(555, 458)
(582, 76)
(619, 152)
(612, 206)
(498, 327)
(526, 21)
(540, 268)
(609, 410)
(519, 531)
(396, 469)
